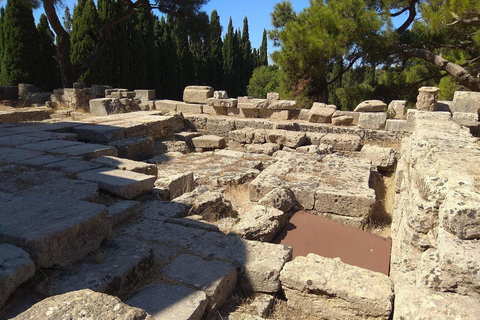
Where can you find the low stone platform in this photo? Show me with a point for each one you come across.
(331, 186)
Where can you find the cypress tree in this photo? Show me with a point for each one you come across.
(19, 61)
(213, 45)
(247, 58)
(238, 63)
(185, 69)
(67, 20)
(229, 59)
(263, 50)
(85, 25)
(168, 60)
(2, 13)
(106, 67)
(49, 73)
(197, 35)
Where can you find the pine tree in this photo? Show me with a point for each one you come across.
(85, 25)
(49, 73)
(168, 60)
(185, 69)
(247, 58)
(263, 50)
(213, 45)
(19, 60)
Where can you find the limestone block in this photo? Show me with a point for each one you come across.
(163, 210)
(274, 114)
(176, 183)
(166, 105)
(282, 199)
(282, 104)
(373, 121)
(427, 98)
(342, 120)
(371, 106)
(321, 113)
(398, 125)
(17, 267)
(222, 94)
(466, 101)
(273, 96)
(315, 149)
(216, 278)
(145, 94)
(466, 119)
(123, 210)
(99, 133)
(341, 142)
(211, 205)
(87, 151)
(209, 142)
(166, 301)
(123, 183)
(260, 263)
(412, 302)
(260, 223)
(66, 188)
(124, 263)
(73, 166)
(300, 114)
(197, 94)
(264, 148)
(137, 148)
(79, 85)
(189, 107)
(460, 213)
(287, 138)
(397, 108)
(101, 106)
(383, 158)
(25, 90)
(208, 109)
(129, 165)
(53, 229)
(330, 289)
(222, 103)
(83, 304)
(49, 145)
(252, 103)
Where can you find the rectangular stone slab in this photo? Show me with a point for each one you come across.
(123, 183)
(52, 229)
(49, 145)
(87, 150)
(99, 133)
(13, 155)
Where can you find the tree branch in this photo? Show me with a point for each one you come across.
(412, 12)
(458, 72)
(396, 14)
(350, 65)
(458, 20)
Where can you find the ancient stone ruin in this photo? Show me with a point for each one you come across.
(115, 205)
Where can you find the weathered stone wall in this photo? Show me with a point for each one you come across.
(436, 224)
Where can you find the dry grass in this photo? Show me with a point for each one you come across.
(238, 195)
(283, 312)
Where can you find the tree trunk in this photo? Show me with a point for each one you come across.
(63, 45)
(457, 72)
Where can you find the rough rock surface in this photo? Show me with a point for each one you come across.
(383, 158)
(321, 113)
(16, 267)
(197, 94)
(466, 101)
(260, 223)
(166, 301)
(373, 121)
(282, 199)
(209, 142)
(330, 289)
(371, 106)
(83, 304)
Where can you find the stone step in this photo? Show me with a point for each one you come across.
(13, 155)
(260, 263)
(102, 133)
(170, 302)
(49, 145)
(122, 263)
(53, 229)
(123, 183)
(137, 148)
(123, 210)
(216, 278)
(87, 151)
(73, 166)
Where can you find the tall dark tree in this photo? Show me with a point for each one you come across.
(85, 23)
(247, 59)
(71, 71)
(263, 50)
(229, 59)
(2, 14)
(48, 76)
(167, 60)
(214, 44)
(185, 67)
(19, 60)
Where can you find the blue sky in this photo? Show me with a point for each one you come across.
(257, 11)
